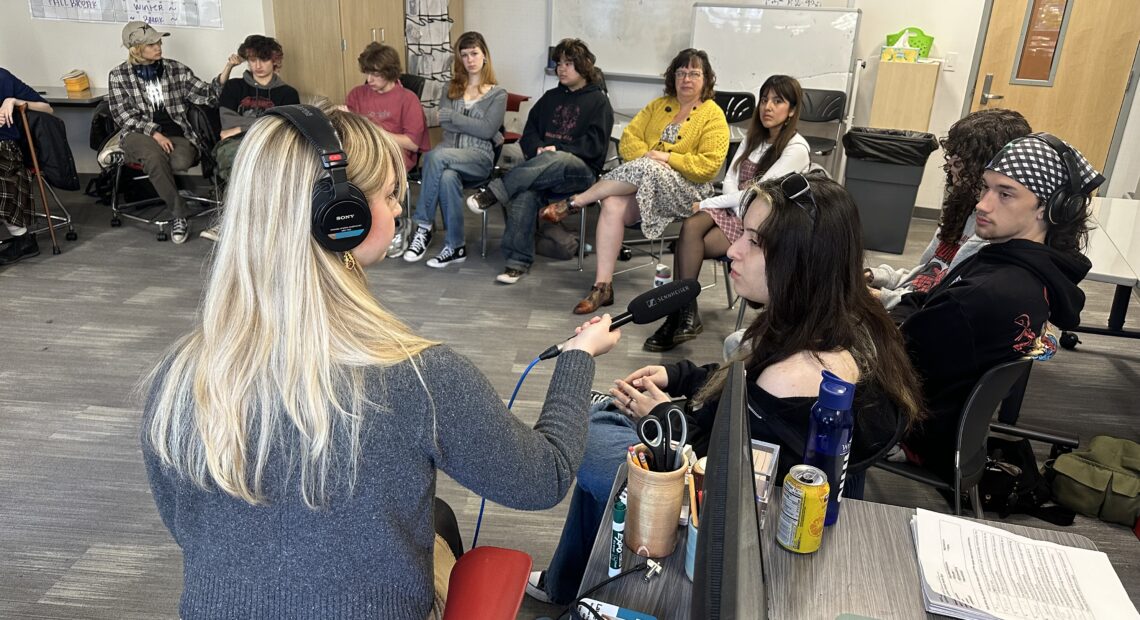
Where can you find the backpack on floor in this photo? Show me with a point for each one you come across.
(1012, 483)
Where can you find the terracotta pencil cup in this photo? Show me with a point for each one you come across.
(654, 508)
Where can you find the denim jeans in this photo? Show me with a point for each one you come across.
(609, 434)
(523, 190)
(445, 170)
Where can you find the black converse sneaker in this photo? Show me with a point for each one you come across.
(481, 200)
(418, 247)
(448, 256)
(179, 230)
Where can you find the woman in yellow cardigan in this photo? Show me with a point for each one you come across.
(672, 149)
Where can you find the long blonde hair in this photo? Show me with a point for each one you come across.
(275, 370)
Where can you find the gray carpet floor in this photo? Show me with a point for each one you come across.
(79, 534)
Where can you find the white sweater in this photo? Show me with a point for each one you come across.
(795, 158)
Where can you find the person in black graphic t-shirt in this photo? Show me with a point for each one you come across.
(565, 141)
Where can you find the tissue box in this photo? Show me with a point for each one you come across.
(765, 461)
(898, 54)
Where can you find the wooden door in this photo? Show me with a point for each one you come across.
(310, 33)
(1097, 44)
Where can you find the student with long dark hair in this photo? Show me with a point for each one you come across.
(772, 149)
(969, 145)
(800, 259)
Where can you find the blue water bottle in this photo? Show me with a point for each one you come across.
(829, 437)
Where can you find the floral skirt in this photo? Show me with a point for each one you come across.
(663, 194)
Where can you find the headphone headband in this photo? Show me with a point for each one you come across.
(341, 217)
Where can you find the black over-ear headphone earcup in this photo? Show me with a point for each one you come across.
(340, 223)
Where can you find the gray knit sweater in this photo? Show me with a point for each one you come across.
(475, 127)
(368, 554)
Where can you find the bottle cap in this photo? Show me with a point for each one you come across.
(835, 393)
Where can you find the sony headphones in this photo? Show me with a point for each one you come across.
(1067, 202)
(341, 218)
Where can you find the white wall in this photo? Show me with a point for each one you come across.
(39, 51)
(954, 26)
(1126, 173)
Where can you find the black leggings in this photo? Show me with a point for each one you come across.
(447, 527)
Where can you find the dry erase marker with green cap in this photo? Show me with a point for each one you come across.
(617, 542)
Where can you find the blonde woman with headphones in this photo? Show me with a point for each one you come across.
(292, 438)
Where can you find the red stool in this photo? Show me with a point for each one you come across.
(487, 583)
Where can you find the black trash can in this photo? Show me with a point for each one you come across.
(884, 170)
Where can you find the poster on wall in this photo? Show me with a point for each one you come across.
(181, 13)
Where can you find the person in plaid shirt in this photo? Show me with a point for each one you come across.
(149, 98)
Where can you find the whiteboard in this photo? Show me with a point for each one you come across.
(747, 44)
(183, 13)
(637, 37)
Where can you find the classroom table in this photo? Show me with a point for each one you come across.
(75, 110)
(59, 96)
(866, 566)
(1114, 249)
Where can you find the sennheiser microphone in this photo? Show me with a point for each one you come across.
(648, 307)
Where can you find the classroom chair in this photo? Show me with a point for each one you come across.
(54, 152)
(823, 106)
(973, 429)
(207, 124)
(738, 108)
(486, 583)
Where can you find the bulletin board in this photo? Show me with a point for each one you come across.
(180, 13)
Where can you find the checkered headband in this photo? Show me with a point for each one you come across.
(1034, 163)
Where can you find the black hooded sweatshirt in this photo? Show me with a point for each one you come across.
(576, 121)
(989, 310)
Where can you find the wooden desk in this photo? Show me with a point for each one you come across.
(866, 566)
(59, 96)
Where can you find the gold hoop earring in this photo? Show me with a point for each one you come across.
(349, 261)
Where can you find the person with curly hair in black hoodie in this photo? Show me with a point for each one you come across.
(992, 308)
(970, 144)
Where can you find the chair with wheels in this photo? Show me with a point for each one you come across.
(48, 160)
(207, 124)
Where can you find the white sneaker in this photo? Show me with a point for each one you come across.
(399, 242)
(481, 200)
(212, 233)
(510, 275)
(419, 245)
(179, 230)
(448, 256)
(536, 586)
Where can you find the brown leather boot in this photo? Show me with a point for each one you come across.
(601, 294)
(557, 211)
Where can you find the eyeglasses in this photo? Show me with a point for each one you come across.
(796, 189)
(695, 74)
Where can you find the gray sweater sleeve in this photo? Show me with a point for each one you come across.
(494, 106)
(484, 447)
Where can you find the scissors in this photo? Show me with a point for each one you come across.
(658, 439)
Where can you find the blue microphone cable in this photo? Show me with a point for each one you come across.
(510, 405)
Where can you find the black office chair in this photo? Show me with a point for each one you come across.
(414, 83)
(823, 106)
(207, 124)
(738, 107)
(973, 429)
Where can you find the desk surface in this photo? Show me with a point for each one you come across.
(866, 566)
(58, 95)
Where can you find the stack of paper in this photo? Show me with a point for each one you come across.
(969, 570)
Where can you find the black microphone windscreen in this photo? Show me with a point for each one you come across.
(663, 300)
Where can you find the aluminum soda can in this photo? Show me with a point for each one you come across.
(663, 275)
(803, 507)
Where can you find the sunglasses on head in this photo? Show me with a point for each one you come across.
(795, 188)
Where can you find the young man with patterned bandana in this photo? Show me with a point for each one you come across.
(993, 307)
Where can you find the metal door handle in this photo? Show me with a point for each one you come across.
(373, 34)
(986, 95)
